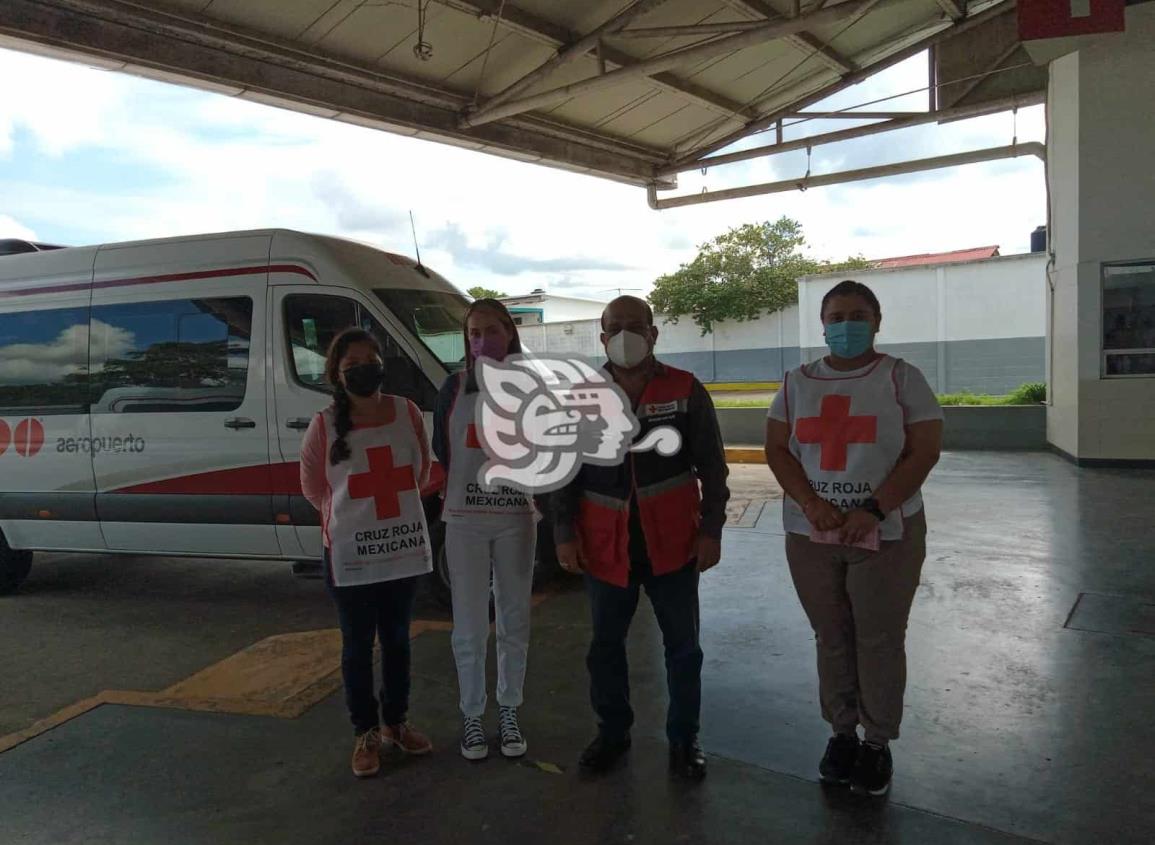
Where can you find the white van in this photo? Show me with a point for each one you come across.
(153, 395)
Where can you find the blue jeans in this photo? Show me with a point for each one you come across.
(675, 601)
(367, 613)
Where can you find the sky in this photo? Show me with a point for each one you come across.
(94, 156)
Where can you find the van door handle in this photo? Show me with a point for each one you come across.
(236, 423)
(297, 423)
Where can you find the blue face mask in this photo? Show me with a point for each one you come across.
(849, 339)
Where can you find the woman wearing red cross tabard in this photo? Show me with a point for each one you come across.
(363, 463)
(851, 438)
(490, 539)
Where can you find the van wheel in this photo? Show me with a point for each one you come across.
(14, 567)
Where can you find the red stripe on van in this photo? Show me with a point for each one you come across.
(170, 277)
(261, 480)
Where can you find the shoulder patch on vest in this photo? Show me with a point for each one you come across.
(653, 409)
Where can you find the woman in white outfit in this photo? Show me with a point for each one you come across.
(490, 539)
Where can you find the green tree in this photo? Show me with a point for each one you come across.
(742, 274)
(478, 292)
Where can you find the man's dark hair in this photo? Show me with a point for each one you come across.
(850, 288)
(627, 298)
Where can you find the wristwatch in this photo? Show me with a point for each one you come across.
(872, 508)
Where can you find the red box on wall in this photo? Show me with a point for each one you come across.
(1063, 18)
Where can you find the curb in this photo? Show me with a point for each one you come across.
(745, 455)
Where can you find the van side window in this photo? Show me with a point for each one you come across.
(174, 355)
(44, 362)
(313, 320)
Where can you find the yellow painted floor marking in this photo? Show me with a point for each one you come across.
(745, 455)
(280, 676)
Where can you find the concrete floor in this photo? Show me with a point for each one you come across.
(1027, 718)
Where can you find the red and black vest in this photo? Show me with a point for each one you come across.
(666, 488)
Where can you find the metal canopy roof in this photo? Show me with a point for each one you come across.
(633, 90)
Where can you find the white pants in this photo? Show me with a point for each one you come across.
(474, 551)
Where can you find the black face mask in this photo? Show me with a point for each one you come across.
(364, 380)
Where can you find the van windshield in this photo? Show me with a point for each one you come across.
(433, 316)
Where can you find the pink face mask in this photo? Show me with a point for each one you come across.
(488, 346)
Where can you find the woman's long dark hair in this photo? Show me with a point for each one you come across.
(498, 308)
(342, 406)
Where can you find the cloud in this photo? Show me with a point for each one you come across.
(10, 227)
(492, 257)
(354, 213)
(67, 353)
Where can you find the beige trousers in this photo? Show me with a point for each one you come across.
(858, 603)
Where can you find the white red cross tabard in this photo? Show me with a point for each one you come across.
(835, 429)
(384, 482)
(1063, 18)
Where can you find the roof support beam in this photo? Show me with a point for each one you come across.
(667, 61)
(804, 41)
(849, 115)
(689, 30)
(955, 8)
(917, 166)
(920, 119)
(572, 52)
(546, 32)
(769, 119)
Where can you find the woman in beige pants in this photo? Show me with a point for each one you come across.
(851, 438)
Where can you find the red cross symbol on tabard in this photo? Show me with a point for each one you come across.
(471, 439)
(835, 430)
(384, 482)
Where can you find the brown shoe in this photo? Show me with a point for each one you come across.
(367, 753)
(407, 738)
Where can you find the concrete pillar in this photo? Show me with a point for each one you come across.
(1101, 141)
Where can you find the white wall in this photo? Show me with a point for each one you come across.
(683, 336)
(1063, 330)
(991, 299)
(777, 331)
(560, 309)
(1103, 195)
(999, 298)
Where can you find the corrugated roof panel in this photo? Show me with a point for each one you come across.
(456, 46)
(744, 75)
(676, 123)
(580, 17)
(370, 32)
(645, 114)
(182, 7)
(283, 18)
(883, 24)
(617, 100)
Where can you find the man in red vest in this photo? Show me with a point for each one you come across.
(652, 521)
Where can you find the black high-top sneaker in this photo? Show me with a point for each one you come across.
(838, 762)
(873, 770)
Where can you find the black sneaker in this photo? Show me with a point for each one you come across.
(688, 760)
(872, 771)
(603, 752)
(838, 762)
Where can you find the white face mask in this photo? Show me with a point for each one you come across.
(627, 349)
